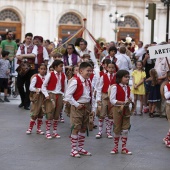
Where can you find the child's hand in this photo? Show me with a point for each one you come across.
(80, 106)
(135, 86)
(48, 97)
(7, 72)
(99, 102)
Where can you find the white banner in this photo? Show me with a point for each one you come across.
(159, 51)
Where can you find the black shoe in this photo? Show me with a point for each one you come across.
(6, 99)
(21, 105)
(27, 108)
(1, 101)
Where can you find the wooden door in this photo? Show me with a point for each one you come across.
(134, 33)
(64, 31)
(14, 27)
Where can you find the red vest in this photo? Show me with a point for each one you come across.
(53, 82)
(106, 82)
(101, 73)
(79, 91)
(40, 55)
(39, 82)
(168, 86)
(29, 51)
(91, 76)
(120, 95)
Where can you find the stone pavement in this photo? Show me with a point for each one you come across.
(19, 151)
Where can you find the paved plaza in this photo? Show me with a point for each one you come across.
(19, 151)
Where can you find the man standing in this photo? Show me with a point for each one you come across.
(123, 61)
(26, 52)
(84, 50)
(139, 53)
(10, 46)
(42, 55)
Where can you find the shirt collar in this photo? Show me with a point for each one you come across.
(81, 78)
(55, 72)
(122, 85)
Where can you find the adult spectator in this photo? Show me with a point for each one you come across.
(42, 54)
(123, 61)
(71, 57)
(10, 46)
(139, 52)
(84, 50)
(26, 52)
(112, 52)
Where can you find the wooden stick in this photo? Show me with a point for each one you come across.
(167, 62)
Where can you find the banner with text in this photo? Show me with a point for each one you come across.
(159, 51)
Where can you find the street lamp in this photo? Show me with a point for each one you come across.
(167, 2)
(118, 18)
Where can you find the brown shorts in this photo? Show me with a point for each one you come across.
(58, 99)
(168, 111)
(121, 121)
(80, 117)
(104, 107)
(36, 110)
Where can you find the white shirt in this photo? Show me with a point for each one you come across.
(139, 53)
(111, 58)
(92, 56)
(34, 51)
(161, 66)
(45, 55)
(114, 92)
(85, 98)
(100, 86)
(70, 59)
(123, 62)
(57, 89)
(34, 81)
(167, 94)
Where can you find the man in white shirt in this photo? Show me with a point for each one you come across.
(140, 51)
(123, 61)
(84, 50)
(26, 52)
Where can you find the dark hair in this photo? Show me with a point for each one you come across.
(84, 65)
(84, 41)
(74, 50)
(28, 35)
(77, 43)
(101, 68)
(122, 50)
(116, 67)
(106, 61)
(43, 64)
(8, 32)
(56, 63)
(120, 74)
(57, 55)
(112, 48)
(91, 62)
(168, 74)
(48, 41)
(5, 53)
(51, 67)
(139, 62)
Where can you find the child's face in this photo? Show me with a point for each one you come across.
(85, 72)
(42, 70)
(111, 68)
(112, 53)
(104, 66)
(139, 65)
(57, 58)
(59, 68)
(76, 70)
(125, 79)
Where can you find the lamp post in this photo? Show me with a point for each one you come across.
(118, 18)
(167, 2)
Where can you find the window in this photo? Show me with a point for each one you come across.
(70, 19)
(8, 15)
(129, 22)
